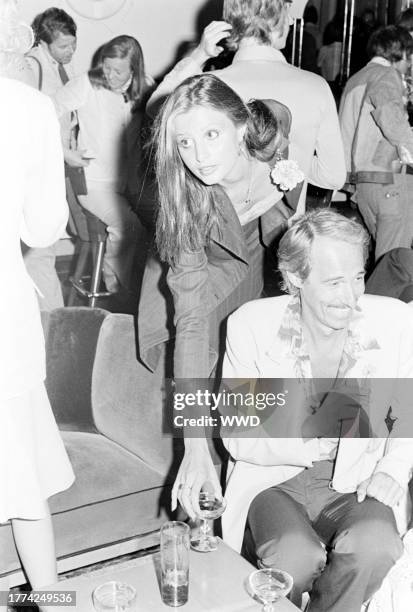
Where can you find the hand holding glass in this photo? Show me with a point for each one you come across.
(211, 508)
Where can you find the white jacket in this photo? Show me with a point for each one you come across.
(260, 463)
(34, 209)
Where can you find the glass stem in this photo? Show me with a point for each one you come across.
(268, 607)
(204, 528)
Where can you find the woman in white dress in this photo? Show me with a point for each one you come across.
(33, 462)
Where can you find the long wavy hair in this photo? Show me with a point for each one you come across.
(187, 208)
(121, 47)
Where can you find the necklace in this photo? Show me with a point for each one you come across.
(247, 200)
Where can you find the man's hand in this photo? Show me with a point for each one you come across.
(195, 470)
(74, 158)
(208, 46)
(382, 487)
(404, 154)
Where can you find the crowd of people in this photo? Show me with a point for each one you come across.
(221, 181)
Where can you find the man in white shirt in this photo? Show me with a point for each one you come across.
(258, 29)
(50, 60)
(323, 506)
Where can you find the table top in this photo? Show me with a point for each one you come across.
(217, 583)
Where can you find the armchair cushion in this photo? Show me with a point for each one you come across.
(104, 471)
(128, 400)
(71, 337)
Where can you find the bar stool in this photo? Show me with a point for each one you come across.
(91, 237)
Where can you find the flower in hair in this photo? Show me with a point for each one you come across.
(286, 174)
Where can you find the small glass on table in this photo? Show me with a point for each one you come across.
(211, 507)
(114, 597)
(269, 585)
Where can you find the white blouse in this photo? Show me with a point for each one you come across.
(108, 130)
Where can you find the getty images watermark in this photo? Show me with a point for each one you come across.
(290, 408)
(219, 402)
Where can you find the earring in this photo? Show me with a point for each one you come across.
(241, 148)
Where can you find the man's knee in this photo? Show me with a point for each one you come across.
(301, 556)
(373, 543)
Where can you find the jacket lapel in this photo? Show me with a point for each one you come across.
(228, 233)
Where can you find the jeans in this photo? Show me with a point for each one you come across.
(387, 211)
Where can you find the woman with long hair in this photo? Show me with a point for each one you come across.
(219, 205)
(33, 461)
(109, 101)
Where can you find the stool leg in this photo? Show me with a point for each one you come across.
(97, 273)
(79, 270)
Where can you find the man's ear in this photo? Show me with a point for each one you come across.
(295, 280)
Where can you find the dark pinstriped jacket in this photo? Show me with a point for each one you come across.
(203, 280)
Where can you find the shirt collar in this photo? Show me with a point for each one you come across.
(254, 51)
(125, 86)
(289, 342)
(380, 60)
(48, 55)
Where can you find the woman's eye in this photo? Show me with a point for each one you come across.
(212, 134)
(184, 143)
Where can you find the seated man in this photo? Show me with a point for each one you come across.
(322, 507)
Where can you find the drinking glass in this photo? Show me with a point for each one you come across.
(211, 508)
(269, 585)
(114, 597)
(174, 563)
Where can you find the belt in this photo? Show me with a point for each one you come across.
(384, 178)
(376, 176)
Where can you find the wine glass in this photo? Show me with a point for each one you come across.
(211, 507)
(269, 585)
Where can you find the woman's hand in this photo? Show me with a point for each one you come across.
(208, 46)
(195, 470)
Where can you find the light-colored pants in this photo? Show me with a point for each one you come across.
(387, 211)
(41, 267)
(123, 229)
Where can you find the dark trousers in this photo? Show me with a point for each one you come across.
(334, 547)
(393, 275)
